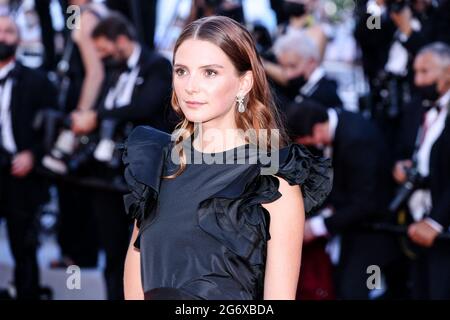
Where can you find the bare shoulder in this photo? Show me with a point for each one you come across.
(291, 199)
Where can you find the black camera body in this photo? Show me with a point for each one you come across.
(404, 192)
(68, 153)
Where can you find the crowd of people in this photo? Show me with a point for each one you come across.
(62, 125)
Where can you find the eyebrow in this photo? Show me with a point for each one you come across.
(202, 67)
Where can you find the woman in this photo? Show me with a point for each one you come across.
(202, 230)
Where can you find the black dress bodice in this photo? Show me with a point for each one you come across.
(203, 234)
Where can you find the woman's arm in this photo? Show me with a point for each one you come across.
(94, 72)
(287, 218)
(132, 275)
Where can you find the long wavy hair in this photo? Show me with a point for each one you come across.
(238, 44)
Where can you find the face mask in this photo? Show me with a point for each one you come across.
(292, 9)
(297, 83)
(429, 92)
(7, 50)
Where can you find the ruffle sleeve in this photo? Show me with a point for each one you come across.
(235, 217)
(144, 156)
(313, 173)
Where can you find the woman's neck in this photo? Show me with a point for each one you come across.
(217, 139)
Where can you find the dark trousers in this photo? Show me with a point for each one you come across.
(77, 230)
(113, 231)
(359, 251)
(430, 276)
(18, 204)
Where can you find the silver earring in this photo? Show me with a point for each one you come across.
(240, 102)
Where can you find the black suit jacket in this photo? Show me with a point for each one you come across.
(362, 188)
(325, 93)
(374, 42)
(361, 176)
(440, 177)
(151, 96)
(434, 27)
(31, 92)
(411, 119)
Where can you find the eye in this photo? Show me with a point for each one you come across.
(210, 73)
(180, 72)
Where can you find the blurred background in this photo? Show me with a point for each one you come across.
(377, 59)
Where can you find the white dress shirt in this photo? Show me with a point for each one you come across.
(120, 95)
(420, 201)
(7, 136)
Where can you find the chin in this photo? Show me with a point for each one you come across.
(196, 116)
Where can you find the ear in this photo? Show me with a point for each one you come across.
(443, 82)
(246, 83)
(320, 130)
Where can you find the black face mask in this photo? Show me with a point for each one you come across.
(429, 92)
(7, 50)
(292, 9)
(297, 83)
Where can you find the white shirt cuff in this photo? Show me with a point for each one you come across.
(434, 224)
(318, 227)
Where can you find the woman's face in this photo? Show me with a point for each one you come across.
(206, 83)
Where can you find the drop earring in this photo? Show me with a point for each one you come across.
(240, 102)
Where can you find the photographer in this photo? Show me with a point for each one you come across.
(430, 203)
(80, 77)
(137, 91)
(299, 72)
(390, 32)
(360, 194)
(419, 22)
(23, 93)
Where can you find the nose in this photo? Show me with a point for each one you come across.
(192, 84)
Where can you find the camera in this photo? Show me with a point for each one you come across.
(65, 144)
(388, 94)
(69, 153)
(404, 192)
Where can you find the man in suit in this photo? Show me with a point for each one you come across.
(361, 191)
(430, 204)
(136, 91)
(139, 84)
(23, 92)
(299, 72)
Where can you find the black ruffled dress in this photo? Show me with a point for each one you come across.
(203, 235)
